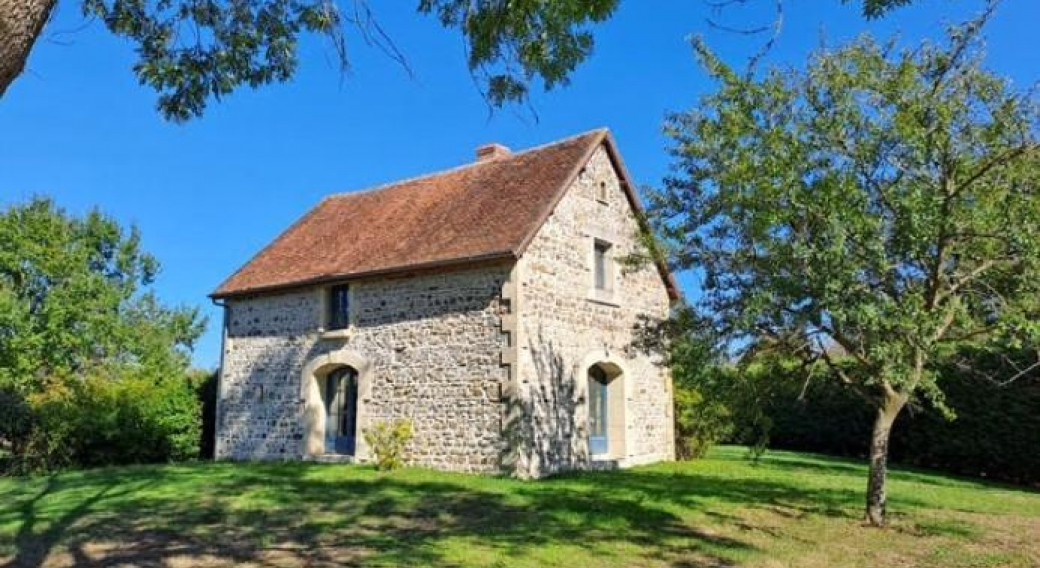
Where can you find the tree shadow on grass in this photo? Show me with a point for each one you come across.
(700, 492)
(299, 514)
(33, 546)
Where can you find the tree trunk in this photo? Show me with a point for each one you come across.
(20, 24)
(886, 416)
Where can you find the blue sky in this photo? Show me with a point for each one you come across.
(208, 194)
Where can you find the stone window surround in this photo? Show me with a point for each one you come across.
(608, 295)
(323, 315)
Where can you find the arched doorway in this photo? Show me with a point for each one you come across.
(605, 403)
(335, 387)
(339, 394)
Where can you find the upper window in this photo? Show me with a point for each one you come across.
(338, 306)
(601, 191)
(602, 268)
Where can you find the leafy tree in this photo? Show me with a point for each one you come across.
(192, 51)
(881, 205)
(73, 298)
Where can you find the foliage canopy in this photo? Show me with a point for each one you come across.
(194, 51)
(73, 298)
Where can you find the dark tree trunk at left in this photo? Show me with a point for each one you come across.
(21, 22)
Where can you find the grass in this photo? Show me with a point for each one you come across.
(789, 510)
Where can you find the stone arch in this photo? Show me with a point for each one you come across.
(313, 407)
(619, 387)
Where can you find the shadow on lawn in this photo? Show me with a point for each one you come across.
(303, 514)
(295, 514)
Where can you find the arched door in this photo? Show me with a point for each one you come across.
(599, 411)
(340, 398)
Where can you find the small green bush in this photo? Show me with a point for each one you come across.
(388, 441)
(107, 418)
(699, 423)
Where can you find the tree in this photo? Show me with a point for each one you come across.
(870, 214)
(72, 300)
(192, 51)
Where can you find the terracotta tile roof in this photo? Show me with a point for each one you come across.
(486, 210)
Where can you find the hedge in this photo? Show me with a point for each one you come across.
(996, 432)
(105, 418)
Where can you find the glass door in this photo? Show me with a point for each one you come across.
(598, 417)
(341, 411)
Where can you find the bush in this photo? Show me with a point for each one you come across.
(699, 423)
(106, 419)
(716, 403)
(388, 442)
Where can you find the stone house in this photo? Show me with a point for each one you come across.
(484, 303)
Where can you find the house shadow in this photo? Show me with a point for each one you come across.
(540, 430)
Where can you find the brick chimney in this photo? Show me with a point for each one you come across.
(492, 151)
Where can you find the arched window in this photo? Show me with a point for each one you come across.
(339, 395)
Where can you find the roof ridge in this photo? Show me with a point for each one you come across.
(389, 185)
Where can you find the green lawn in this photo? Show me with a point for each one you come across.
(789, 510)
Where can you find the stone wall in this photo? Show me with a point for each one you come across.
(564, 326)
(433, 342)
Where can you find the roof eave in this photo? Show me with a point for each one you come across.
(459, 262)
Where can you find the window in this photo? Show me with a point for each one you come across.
(601, 192)
(338, 305)
(601, 260)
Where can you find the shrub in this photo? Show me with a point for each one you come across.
(716, 403)
(699, 423)
(388, 441)
(106, 418)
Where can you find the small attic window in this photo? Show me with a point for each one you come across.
(602, 194)
(337, 315)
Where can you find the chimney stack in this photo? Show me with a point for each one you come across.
(492, 151)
